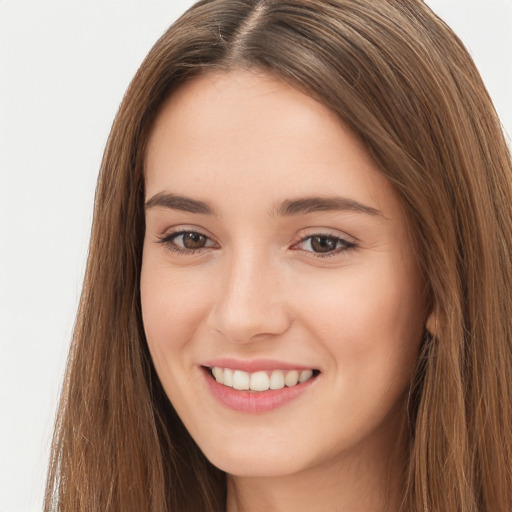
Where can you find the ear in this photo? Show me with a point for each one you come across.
(432, 323)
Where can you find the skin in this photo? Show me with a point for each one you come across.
(244, 142)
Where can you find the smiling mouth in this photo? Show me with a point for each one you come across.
(261, 380)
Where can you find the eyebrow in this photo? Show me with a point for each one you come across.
(286, 208)
(322, 204)
(182, 203)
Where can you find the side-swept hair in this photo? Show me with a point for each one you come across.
(404, 83)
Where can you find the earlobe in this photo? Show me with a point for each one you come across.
(432, 323)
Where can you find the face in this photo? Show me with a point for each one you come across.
(277, 258)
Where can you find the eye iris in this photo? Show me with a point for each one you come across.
(323, 243)
(194, 240)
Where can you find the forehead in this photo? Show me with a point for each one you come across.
(249, 135)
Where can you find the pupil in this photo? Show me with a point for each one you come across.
(323, 243)
(194, 240)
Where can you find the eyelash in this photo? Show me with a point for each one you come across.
(345, 245)
(167, 241)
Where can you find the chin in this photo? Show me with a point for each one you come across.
(253, 461)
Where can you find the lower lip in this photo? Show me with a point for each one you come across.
(254, 401)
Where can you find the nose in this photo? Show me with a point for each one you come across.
(250, 302)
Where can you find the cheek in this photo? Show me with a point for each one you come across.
(370, 321)
(173, 304)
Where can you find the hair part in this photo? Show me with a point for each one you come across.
(403, 82)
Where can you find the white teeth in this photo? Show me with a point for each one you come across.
(305, 375)
(292, 377)
(261, 380)
(228, 377)
(218, 374)
(241, 380)
(277, 380)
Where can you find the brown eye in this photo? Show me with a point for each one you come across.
(193, 240)
(323, 243)
(185, 242)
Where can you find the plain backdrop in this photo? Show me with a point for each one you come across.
(64, 66)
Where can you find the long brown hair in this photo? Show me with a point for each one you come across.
(404, 83)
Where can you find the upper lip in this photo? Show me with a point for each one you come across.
(254, 365)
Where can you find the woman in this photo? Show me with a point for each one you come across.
(297, 293)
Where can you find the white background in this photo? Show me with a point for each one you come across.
(64, 66)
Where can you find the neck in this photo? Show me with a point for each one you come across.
(368, 479)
